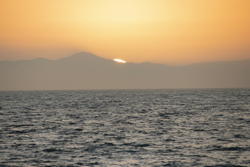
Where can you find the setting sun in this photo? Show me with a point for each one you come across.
(120, 61)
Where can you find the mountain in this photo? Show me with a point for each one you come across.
(87, 71)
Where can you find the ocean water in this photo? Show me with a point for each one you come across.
(171, 128)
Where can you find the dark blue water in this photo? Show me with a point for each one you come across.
(172, 128)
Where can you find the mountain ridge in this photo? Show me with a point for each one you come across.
(87, 71)
(82, 55)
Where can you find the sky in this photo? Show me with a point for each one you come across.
(161, 31)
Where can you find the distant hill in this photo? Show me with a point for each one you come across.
(87, 71)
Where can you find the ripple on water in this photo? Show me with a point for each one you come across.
(172, 128)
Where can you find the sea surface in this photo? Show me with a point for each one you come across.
(144, 128)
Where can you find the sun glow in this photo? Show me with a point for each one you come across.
(160, 31)
(120, 61)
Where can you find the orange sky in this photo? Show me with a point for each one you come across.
(165, 31)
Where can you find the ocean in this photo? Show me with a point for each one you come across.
(143, 128)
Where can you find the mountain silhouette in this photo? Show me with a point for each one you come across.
(88, 71)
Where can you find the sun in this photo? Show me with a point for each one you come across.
(120, 61)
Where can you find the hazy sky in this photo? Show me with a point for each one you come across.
(166, 31)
